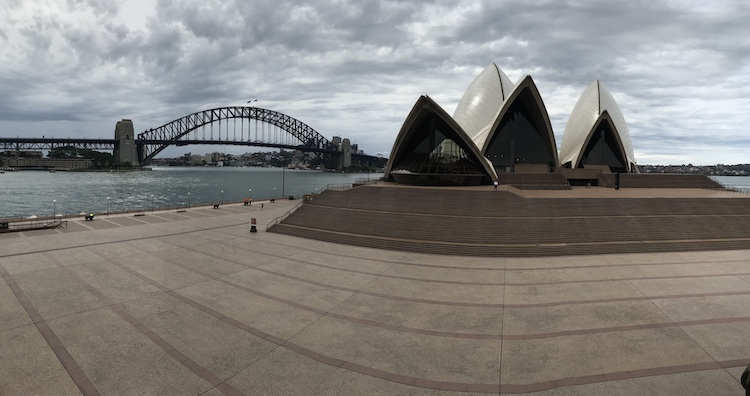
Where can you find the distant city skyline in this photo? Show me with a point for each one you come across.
(679, 70)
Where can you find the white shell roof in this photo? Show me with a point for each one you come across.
(594, 101)
(481, 103)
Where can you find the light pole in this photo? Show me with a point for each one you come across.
(222, 197)
(107, 206)
(152, 202)
(188, 200)
(250, 194)
(282, 180)
(54, 208)
(274, 193)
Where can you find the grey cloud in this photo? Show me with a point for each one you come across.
(357, 67)
(99, 7)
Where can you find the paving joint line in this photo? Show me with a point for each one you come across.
(198, 370)
(452, 303)
(436, 333)
(464, 386)
(67, 361)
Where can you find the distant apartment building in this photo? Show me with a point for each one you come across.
(47, 163)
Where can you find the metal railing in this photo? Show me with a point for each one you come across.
(361, 181)
(306, 198)
(30, 225)
(739, 191)
(281, 218)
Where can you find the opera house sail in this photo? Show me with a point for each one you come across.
(479, 106)
(522, 139)
(500, 128)
(508, 123)
(596, 134)
(432, 149)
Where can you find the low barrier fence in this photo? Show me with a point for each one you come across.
(739, 191)
(28, 225)
(310, 197)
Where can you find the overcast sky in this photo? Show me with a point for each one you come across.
(680, 70)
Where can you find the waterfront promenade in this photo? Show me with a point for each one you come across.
(193, 303)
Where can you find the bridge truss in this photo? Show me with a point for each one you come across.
(271, 129)
(24, 144)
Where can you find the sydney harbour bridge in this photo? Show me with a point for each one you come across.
(233, 125)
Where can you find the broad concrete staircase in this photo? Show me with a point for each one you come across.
(656, 180)
(499, 223)
(535, 181)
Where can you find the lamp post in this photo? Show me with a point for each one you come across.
(222, 197)
(54, 208)
(107, 206)
(274, 193)
(188, 200)
(282, 180)
(152, 202)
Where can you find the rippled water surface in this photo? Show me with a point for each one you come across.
(25, 193)
(32, 192)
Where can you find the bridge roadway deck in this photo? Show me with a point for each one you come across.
(193, 303)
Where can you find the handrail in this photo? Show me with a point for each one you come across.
(741, 191)
(284, 216)
(31, 225)
(365, 181)
(333, 187)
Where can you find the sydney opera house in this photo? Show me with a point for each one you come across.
(499, 128)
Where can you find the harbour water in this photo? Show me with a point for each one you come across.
(40, 193)
(739, 183)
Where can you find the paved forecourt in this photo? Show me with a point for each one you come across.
(193, 303)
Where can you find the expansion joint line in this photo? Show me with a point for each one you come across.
(79, 378)
(87, 245)
(502, 329)
(201, 372)
(326, 313)
(674, 324)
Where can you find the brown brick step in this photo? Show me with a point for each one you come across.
(512, 250)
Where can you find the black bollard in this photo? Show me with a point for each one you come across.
(617, 181)
(745, 380)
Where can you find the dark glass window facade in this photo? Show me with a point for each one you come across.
(522, 137)
(435, 148)
(603, 149)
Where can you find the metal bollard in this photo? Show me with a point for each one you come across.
(252, 225)
(745, 380)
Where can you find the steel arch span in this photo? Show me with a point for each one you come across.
(171, 133)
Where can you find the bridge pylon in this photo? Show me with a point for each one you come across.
(125, 149)
(342, 158)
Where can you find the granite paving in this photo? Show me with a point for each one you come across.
(193, 303)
